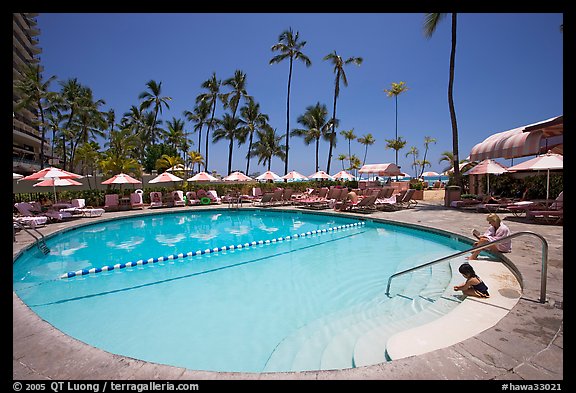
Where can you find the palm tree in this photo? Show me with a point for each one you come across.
(341, 158)
(166, 161)
(431, 21)
(268, 146)
(349, 136)
(33, 93)
(71, 93)
(366, 140)
(290, 48)
(253, 121)
(199, 116)
(395, 91)
(196, 158)
(395, 144)
(87, 155)
(427, 141)
(174, 135)
(232, 99)
(211, 98)
(339, 64)
(154, 99)
(414, 152)
(316, 126)
(229, 129)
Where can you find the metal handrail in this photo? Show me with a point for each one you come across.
(38, 240)
(543, 274)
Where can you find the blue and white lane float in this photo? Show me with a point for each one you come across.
(142, 262)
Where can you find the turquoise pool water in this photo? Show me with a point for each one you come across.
(233, 310)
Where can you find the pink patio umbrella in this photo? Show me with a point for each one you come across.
(56, 182)
(487, 167)
(388, 169)
(294, 175)
(121, 178)
(268, 175)
(546, 162)
(166, 177)
(343, 175)
(237, 176)
(202, 176)
(430, 174)
(320, 175)
(51, 172)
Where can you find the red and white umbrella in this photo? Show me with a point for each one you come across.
(56, 182)
(546, 162)
(237, 176)
(51, 172)
(121, 178)
(294, 175)
(487, 167)
(165, 177)
(343, 175)
(389, 169)
(269, 175)
(320, 175)
(430, 174)
(202, 176)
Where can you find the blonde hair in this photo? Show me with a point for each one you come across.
(493, 218)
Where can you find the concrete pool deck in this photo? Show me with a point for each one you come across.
(525, 344)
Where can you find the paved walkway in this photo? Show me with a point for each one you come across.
(527, 344)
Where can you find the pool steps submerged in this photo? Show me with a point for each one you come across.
(254, 243)
(357, 335)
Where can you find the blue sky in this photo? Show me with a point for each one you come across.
(509, 72)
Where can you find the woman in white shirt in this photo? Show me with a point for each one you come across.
(497, 230)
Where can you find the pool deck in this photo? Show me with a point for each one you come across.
(524, 343)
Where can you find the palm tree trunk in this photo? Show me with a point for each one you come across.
(317, 150)
(333, 124)
(249, 151)
(288, 118)
(207, 134)
(43, 135)
(457, 176)
(230, 149)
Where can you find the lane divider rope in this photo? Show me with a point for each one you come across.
(142, 262)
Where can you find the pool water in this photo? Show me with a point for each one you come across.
(259, 308)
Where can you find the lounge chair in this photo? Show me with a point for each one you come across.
(364, 205)
(407, 202)
(25, 209)
(156, 200)
(76, 206)
(522, 208)
(30, 221)
(266, 200)
(136, 200)
(191, 198)
(178, 198)
(111, 203)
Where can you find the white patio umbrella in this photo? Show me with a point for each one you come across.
(320, 175)
(487, 167)
(202, 176)
(294, 175)
(237, 176)
(165, 177)
(268, 175)
(546, 162)
(16, 176)
(343, 175)
(121, 178)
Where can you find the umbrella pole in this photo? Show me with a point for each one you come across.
(54, 188)
(547, 184)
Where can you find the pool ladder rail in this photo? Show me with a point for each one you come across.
(543, 273)
(40, 242)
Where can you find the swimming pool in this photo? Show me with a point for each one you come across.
(278, 306)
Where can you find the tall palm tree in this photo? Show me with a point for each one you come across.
(316, 126)
(290, 49)
(339, 64)
(427, 141)
(342, 158)
(33, 93)
(71, 93)
(395, 91)
(395, 144)
(153, 98)
(196, 158)
(253, 121)
(229, 128)
(87, 155)
(414, 153)
(366, 140)
(199, 116)
(174, 135)
(268, 146)
(232, 99)
(211, 98)
(431, 21)
(349, 136)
